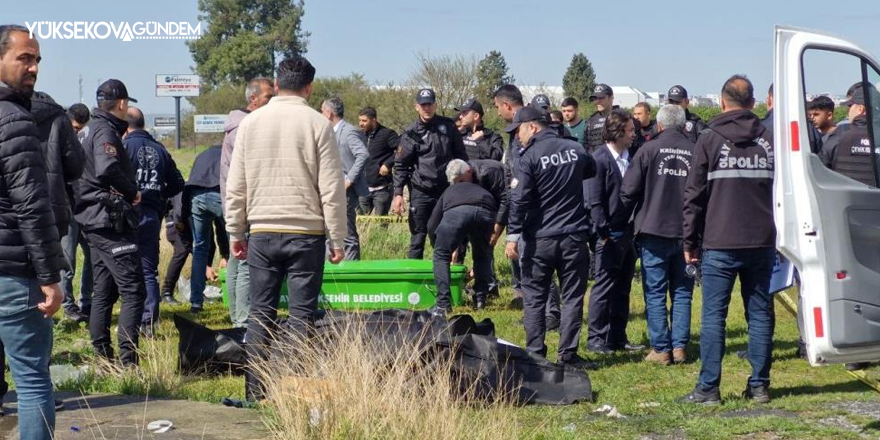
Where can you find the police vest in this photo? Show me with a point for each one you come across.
(853, 156)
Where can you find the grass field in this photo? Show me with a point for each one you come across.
(808, 403)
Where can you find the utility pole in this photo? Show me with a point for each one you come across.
(81, 88)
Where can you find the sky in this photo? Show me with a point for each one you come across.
(650, 45)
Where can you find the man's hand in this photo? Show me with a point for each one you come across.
(496, 234)
(384, 171)
(347, 184)
(477, 135)
(240, 249)
(691, 257)
(137, 199)
(223, 263)
(53, 300)
(336, 255)
(397, 205)
(210, 274)
(454, 255)
(511, 251)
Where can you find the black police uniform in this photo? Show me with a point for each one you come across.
(489, 146)
(103, 198)
(547, 210)
(595, 131)
(420, 163)
(852, 156)
(693, 125)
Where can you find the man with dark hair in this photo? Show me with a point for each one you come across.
(693, 123)
(556, 117)
(258, 92)
(382, 142)
(79, 116)
(353, 154)
(286, 191)
(615, 254)
(30, 252)
(654, 187)
(479, 141)
(548, 216)
(576, 125)
(821, 112)
(852, 154)
(105, 199)
(64, 164)
(158, 180)
(594, 134)
(426, 146)
(728, 213)
(646, 127)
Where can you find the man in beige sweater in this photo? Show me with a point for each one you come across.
(286, 189)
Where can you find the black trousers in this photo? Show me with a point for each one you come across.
(182, 243)
(609, 299)
(118, 273)
(377, 202)
(421, 204)
(458, 224)
(568, 257)
(273, 258)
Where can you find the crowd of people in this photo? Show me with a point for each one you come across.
(572, 198)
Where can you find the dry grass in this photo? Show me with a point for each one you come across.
(345, 385)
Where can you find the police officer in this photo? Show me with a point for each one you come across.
(654, 186)
(158, 180)
(603, 98)
(479, 141)
(106, 197)
(693, 124)
(547, 210)
(426, 146)
(542, 102)
(852, 155)
(728, 218)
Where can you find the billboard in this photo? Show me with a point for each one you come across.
(177, 85)
(210, 123)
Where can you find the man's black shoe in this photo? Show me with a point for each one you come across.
(600, 349)
(700, 397)
(516, 303)
(760, 394)
(168, 298)
(579, 363)
(552, 323)
(59, 405)
(479, 304)
(856, 366)
(195, 309)
(439, 311)
(631, 347)
(74, 315)
(493, 293)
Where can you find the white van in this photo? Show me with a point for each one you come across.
(827, 224)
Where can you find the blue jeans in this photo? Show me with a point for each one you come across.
(720, 269)
(663, 271)
(148, 242)
(206, 208)
(27, 337)
(69, 243)
(238, 280)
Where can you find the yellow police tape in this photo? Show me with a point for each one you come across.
(381, 218)
(791, 306)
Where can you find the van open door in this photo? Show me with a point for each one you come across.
(827, 223)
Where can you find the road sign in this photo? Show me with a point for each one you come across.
(164, 121)
(210, 123)
(177, 85)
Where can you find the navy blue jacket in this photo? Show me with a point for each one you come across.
(603, 196)
(157, 175)
(548, 198)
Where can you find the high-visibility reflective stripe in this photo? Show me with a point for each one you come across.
(741, 174)
(817, 318)
(795, 137)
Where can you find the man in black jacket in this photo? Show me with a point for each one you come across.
(203, 198)
(594, 135)
(479, 141)
(64, 164)
(106, 197)
(615, 253)
(30, 251)
(728, 212)
(382, 142)
(465, 212)
(547, 212)
(158, 180)
(425, 148)
(693, 124)
(654, 187)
